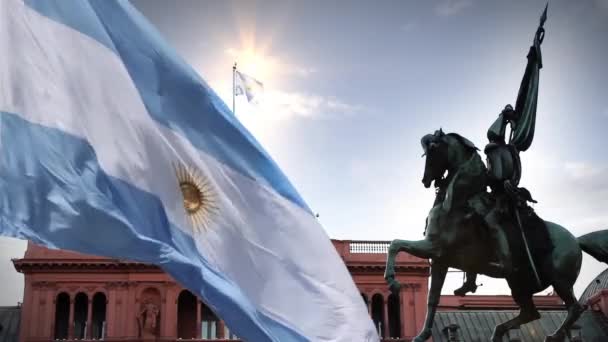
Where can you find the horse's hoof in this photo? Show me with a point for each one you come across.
(423, 336)
(465, 288)
(394, 286)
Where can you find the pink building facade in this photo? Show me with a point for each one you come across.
(73, 296)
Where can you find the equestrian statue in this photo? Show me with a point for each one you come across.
(496, 233)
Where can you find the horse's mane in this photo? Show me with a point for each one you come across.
(464, 141)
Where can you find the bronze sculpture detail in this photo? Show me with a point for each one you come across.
(496, 233)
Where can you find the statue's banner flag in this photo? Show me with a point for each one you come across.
(111, 145)
(527, 98)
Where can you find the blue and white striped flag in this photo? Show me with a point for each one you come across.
(111, 145)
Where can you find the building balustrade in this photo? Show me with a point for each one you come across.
(369, 247)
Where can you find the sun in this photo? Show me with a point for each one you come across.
(254, 63)
(199, 197)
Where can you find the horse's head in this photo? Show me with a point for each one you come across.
(443, 152)
(436, 153)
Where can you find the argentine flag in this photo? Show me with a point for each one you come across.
(248, 86)
(110, 144)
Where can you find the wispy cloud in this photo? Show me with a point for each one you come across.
(448, 8)
(284, 105)
(296, 70)
(277, 105)
(584, 171)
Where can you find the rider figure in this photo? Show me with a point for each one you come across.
(504, 172)
(504, 166)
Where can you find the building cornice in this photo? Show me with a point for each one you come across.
(410, 269)
(81, 265)
(110, 265)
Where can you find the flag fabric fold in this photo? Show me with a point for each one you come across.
(110, 144)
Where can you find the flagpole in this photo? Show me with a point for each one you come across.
(233, 87)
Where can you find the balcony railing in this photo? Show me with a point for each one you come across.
(369, 247)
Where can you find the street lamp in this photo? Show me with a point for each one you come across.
(576, 333)
(451, 331)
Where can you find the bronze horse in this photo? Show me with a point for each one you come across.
(455, 239)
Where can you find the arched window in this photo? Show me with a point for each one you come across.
(209, 323)
(186, 315)
(394, 316)
(378, 313)
(62, 316)
(81, 306)
(99, 316)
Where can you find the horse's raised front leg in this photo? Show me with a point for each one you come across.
(389, 271)
(425, 249)
(438, 273)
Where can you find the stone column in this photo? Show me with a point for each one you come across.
(198, 318)
(169, 315)
(24, 332)
(34, 325)
(408, 312)
(131, 306)
(120, 317)
(220, 329)
(50, 313)
(420, 296)
(165, 300)
(402, 302)
(71, 319)
(89, 319)
(386, 318)
(111, 310)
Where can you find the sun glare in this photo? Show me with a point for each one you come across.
(254, 63)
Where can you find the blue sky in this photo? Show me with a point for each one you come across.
(350, 87)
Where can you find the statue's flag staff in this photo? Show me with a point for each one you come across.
(522, 132)
(112, 145)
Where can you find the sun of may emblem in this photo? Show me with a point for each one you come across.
(200, 201)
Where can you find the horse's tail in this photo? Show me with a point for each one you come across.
(595, 244)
